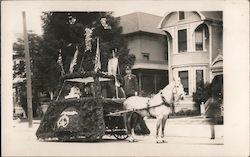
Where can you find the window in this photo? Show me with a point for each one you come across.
(182, 40)
(181, 15)
(145, 56)
(166, 55)
(199, 39)
(184, 80)
(199, 77)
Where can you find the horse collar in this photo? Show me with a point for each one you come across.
(164, 100)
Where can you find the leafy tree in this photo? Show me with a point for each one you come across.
(203, 92)
(66, 30)
(19, 69)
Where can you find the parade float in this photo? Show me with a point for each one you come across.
(84, 108)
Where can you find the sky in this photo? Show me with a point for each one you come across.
(34, 22)
(12, 10)
(34, 12)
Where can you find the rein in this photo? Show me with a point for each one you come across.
(164, 100)
(164, 103)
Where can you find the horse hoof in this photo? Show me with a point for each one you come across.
(164, 141)
(132, 140)
(158, 142)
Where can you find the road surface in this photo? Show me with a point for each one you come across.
(182, 140)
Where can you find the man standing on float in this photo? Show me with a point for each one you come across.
(130, 83)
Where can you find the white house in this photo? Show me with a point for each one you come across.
(194, 42)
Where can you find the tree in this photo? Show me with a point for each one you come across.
(203, 92)
(66, 30)
(19, 69)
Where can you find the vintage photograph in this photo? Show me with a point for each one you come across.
(117, 82)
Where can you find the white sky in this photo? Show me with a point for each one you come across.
(34, 11)
(13, 9)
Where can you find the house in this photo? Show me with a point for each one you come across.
(18, 79)
(148, 44)
(194, 41)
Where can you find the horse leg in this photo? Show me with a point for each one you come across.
(132, 124)
(212, 131)
(158, 124)
(164, 120)
(127, 122)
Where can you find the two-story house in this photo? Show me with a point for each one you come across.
(148, 44)
(194, 41)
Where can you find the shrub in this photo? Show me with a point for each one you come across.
(185, 113)
(203, 92)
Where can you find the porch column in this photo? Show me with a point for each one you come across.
(139, 83)
(155, 83)
(210, 52)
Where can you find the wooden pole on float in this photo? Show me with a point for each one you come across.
(116, 88)
(28, 72)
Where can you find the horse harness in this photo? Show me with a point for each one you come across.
(164, 103)
(164, 100)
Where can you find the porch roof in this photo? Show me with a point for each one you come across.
(150, 65)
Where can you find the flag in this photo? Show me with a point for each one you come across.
(73, 62)
(59, 61)
(88, 38)
(112, 66)
(97, 57)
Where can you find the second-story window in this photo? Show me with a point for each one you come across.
(199, 39)
(145, 56)
(182, 40)
(166, 55)
(181, 15)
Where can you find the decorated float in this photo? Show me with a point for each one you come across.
(86, 102)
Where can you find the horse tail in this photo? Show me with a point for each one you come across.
(138, 123)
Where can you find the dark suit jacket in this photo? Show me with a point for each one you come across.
(130, 84)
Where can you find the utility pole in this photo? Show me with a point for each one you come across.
(28, 72)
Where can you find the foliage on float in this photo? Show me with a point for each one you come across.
(85, 118)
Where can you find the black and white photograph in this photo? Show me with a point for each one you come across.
(125, 78)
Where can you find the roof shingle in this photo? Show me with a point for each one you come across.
(139, 21)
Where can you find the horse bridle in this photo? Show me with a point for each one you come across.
(164, 100)
(164, 103)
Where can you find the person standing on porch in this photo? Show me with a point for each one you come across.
(130, 83)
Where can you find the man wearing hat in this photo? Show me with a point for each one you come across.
(130, 83)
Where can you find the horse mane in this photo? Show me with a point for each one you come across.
(166, 91)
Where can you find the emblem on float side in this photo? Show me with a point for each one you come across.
(63, 121)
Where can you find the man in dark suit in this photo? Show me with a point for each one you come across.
(130, 83)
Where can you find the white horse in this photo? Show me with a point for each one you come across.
(159, 106)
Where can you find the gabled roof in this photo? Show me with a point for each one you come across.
(138, 21)
(217, 62)
(212, 15)
(217, 59)
(204, 15)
